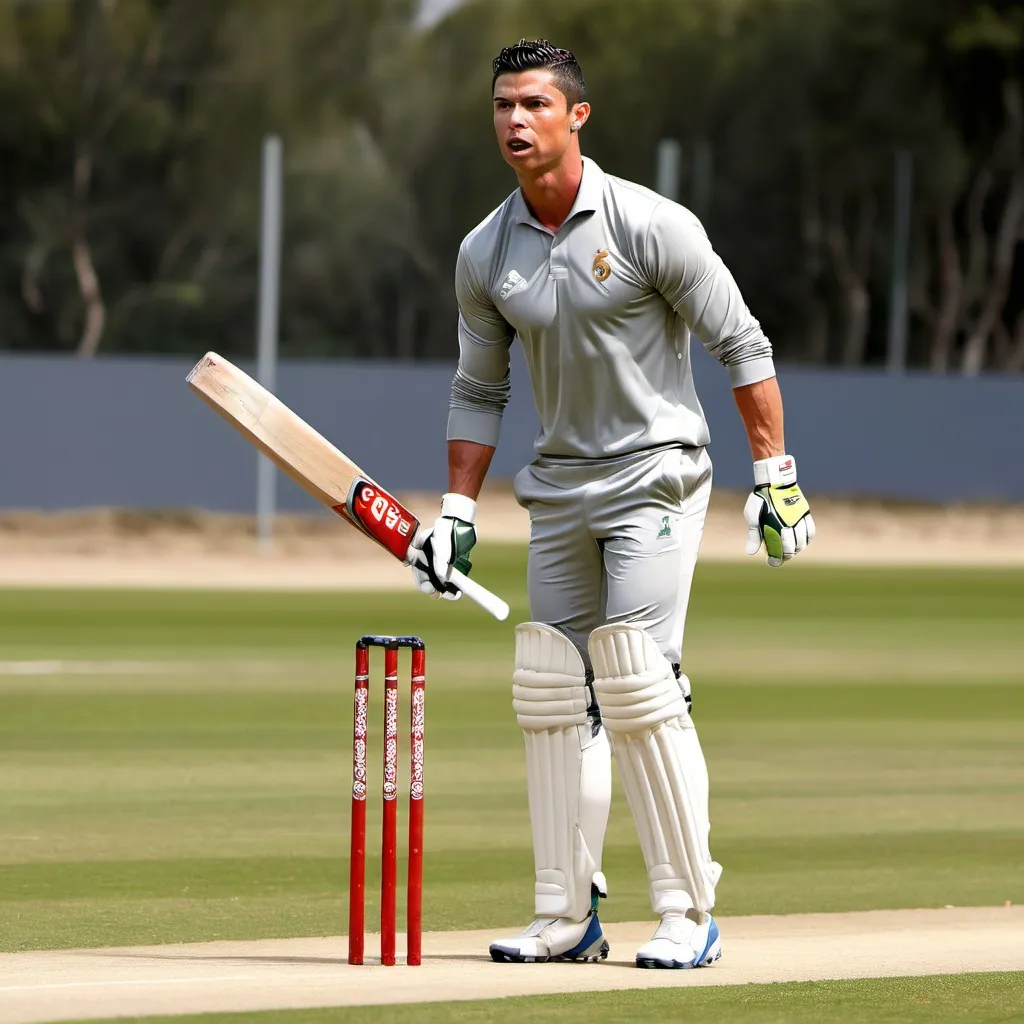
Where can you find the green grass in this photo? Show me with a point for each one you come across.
(971, 998)
(182, 774)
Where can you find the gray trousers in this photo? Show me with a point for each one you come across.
(615, 540)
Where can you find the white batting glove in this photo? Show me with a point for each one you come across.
(777, 512)
(445, 546)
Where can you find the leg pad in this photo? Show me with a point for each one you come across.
(568, 769)
(643, 706)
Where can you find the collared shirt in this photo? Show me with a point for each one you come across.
(603, 308)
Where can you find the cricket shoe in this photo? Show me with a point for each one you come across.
(554, 938)
(681, 942)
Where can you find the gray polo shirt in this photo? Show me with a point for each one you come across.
(603, 308)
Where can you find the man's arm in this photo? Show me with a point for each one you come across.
(777, 513)
(480, 391)
(695, 282)
(699, 287)
(760, 407)
(468, 463)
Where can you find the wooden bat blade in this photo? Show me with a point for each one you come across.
(309, 459)
(297, 449)
(323, 471)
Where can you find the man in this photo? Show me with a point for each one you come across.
(602, 280)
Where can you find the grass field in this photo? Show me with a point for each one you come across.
(970, 998)
(175, 767)
(180, 770)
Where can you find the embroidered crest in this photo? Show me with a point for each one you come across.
(666, 527)
(513, 284)
(602, 269)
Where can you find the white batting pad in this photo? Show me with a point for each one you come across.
(661, 765)
(635, 684)
(549, 688)
(568, 769)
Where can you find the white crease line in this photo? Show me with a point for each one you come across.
(110, 984)
(122, 668)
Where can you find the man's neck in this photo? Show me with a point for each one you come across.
(550, 195)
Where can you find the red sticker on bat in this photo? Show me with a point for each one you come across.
(374, 510)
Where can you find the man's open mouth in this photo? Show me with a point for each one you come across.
(518, 145)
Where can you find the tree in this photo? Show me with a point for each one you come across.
(129, 189)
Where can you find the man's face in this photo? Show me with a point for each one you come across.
(531, 120)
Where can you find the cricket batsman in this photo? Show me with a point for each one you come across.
(602, 282)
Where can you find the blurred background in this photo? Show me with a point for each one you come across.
(859, 164)
(130, 138)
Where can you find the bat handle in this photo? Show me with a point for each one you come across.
(483, 597)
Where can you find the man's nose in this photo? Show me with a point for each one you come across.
(518, 119)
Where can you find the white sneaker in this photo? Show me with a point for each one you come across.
(681, 942)
(553, 938)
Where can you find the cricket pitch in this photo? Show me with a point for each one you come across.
(303, 973)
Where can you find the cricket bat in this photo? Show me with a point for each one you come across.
(316, 465)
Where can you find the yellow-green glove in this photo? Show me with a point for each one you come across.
(777, 512)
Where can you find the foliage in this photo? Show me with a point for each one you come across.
(129, 164)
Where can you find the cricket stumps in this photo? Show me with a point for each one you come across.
(389, 830)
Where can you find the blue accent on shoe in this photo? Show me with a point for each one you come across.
(697, 961)
(591, 948)
(713, 934)
(591, 937)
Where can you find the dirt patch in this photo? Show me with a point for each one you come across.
(302, 973)
(198, 549)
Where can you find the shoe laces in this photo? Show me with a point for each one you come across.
(537, 926)
(676, 927)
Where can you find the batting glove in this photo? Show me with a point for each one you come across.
(444, 547)
(777, 512)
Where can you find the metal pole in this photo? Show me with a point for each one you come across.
(670, 157)
(702, 180)
(266, 336)
(903, 196)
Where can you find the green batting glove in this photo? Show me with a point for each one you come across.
(445, 547)
(777, 512)
(463, 539)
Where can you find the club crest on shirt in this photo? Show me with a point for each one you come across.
(602, 269)
(512, 285)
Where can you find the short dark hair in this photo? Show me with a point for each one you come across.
(539, 54)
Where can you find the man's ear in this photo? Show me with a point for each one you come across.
(580, 113)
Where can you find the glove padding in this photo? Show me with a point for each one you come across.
(444, 547)
(777, 512)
